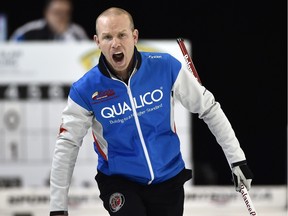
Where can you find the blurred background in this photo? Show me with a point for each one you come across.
(240, 51)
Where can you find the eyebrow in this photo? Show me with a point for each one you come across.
(107, 33)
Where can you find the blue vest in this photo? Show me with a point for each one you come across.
(135, 118)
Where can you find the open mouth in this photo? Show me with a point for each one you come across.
(118, 57)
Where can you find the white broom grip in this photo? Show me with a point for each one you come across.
(247, 200)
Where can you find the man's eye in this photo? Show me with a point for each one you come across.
(107, 37)
(122, 35)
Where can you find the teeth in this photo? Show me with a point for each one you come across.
(117, 53)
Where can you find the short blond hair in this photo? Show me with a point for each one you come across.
(115, 11)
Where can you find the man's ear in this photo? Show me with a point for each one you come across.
(96, 39)
(135, 36)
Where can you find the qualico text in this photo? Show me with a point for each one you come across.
(141, 101)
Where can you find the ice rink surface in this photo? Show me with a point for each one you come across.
(199, 201)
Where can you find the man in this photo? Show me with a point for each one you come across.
(55, 26)
(127, 99)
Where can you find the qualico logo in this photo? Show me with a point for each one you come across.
(141, 101)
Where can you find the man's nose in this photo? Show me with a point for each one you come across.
(115, 42)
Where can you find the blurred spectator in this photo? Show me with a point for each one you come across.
(55, 25)
(3, 27)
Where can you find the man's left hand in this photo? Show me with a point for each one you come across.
(241, 173)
